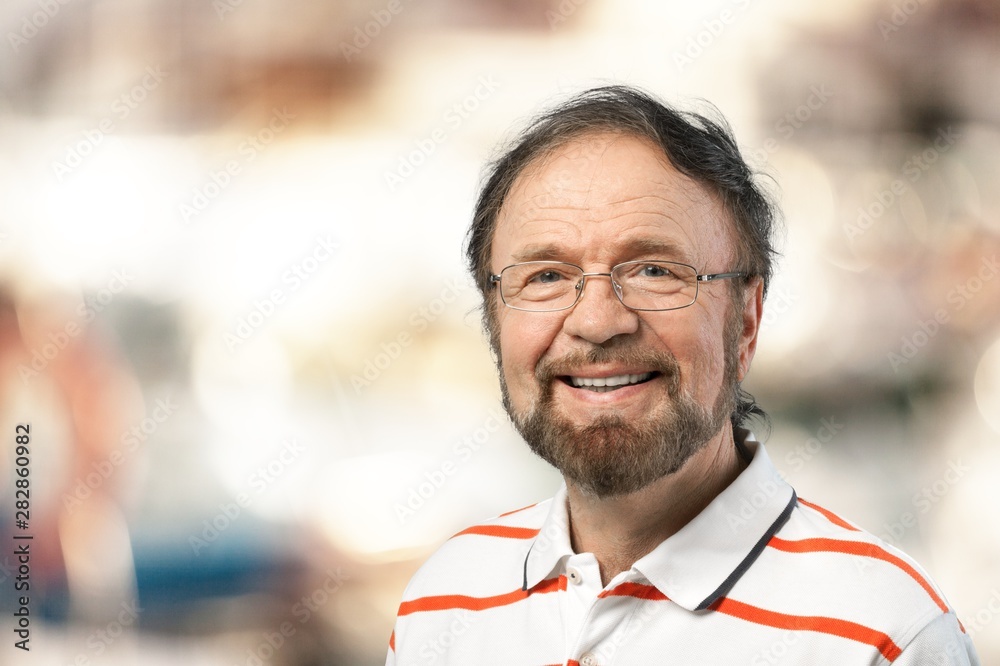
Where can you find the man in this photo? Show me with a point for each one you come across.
(623, 251)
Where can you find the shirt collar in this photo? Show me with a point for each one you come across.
(699, 563)
(551, 548)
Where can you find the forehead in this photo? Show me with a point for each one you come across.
(604, 196)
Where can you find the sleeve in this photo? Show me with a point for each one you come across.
(390, 657)
(942, 642)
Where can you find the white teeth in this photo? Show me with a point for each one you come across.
(617, 380)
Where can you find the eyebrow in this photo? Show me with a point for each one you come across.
(650, 248)
(538, 252)
(655, 248)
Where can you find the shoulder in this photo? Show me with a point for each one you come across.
(819, 564)
(481, 559)
(479, 568)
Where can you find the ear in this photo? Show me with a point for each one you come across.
(753, 312)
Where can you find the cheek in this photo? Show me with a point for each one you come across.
(713, 365)
(698, 347)
(524, 338)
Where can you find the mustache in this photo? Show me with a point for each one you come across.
(663, 362)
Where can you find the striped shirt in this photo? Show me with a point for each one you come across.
(759, 577)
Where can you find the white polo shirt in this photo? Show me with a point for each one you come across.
(759, 577)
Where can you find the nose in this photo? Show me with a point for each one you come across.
(599, 315)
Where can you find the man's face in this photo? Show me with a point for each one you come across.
(596, 202)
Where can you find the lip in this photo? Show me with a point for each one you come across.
(617, 396)
(614, 381)
(604, 372)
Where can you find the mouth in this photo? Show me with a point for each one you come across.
(605, 384)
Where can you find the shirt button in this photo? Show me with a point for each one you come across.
(589, 660)
(575, 577)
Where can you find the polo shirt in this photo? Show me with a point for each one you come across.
(759, 577)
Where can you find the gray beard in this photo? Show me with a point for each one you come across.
(613, 456)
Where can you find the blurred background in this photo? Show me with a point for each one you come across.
(234, 311)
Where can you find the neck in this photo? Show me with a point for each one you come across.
(620, 530)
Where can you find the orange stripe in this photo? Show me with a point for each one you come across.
(857, 548)
(456, 601)
(637, 590)
(523, 508)
(501, 531)
(830, 515)
(826, 625)
(392, 640)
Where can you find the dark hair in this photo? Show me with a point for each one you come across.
(700, 147)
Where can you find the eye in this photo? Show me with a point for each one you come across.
(653, 271)
(547, 277)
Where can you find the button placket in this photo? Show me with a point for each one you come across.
(583, 577)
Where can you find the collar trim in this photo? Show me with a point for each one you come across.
(751, 556)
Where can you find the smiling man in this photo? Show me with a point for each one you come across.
(624, 250)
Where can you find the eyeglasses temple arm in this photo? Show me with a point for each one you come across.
(718, 276)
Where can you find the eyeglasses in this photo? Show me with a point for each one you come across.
(549, 286)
